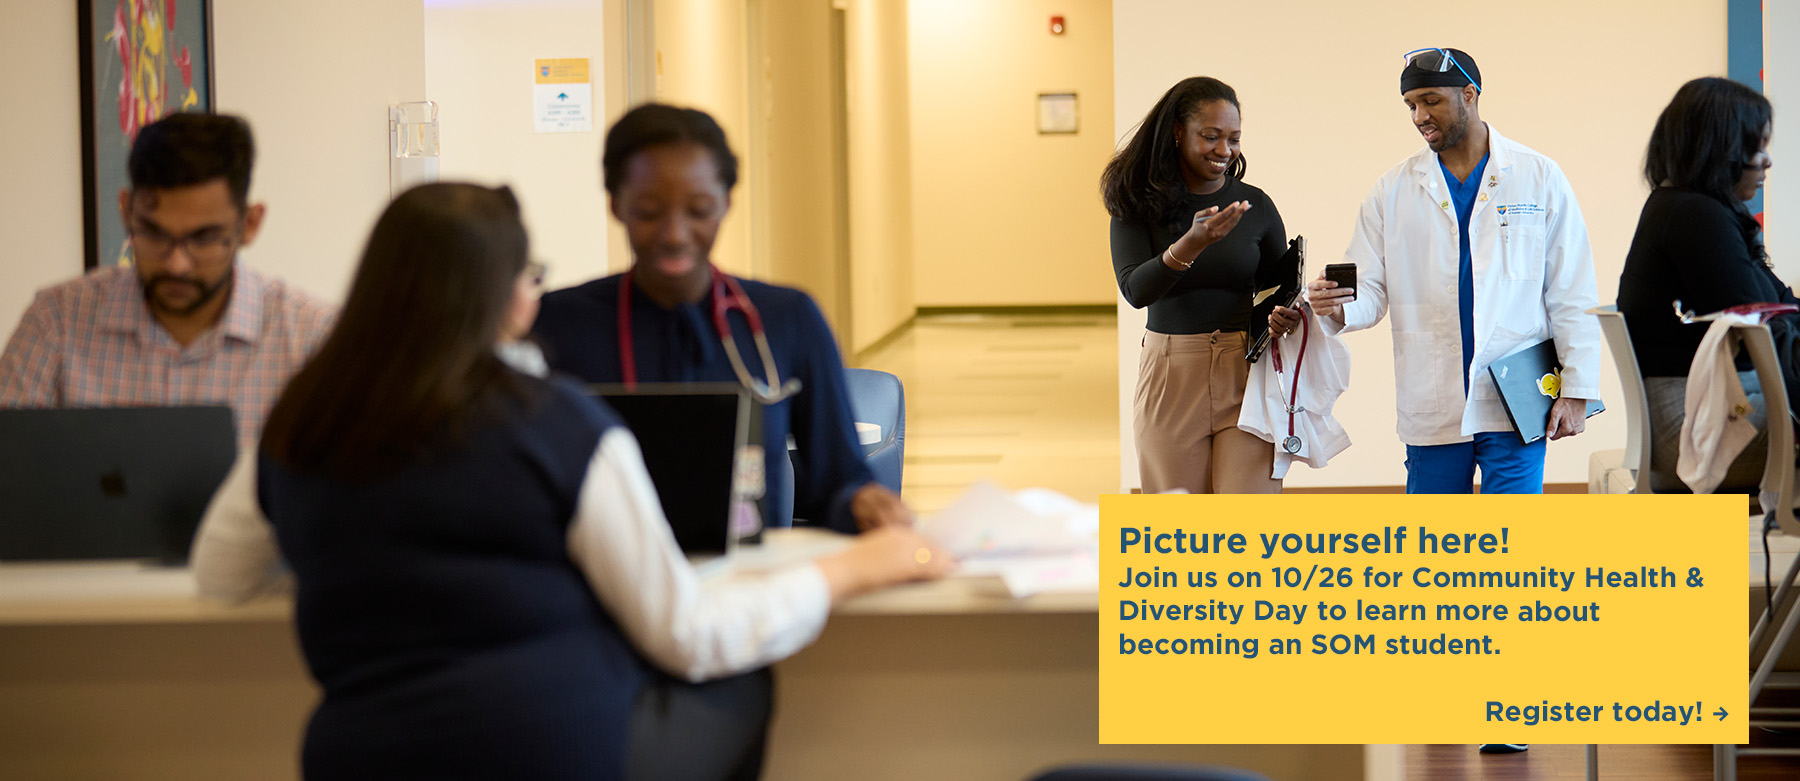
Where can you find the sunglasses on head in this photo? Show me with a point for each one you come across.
(1438, 61)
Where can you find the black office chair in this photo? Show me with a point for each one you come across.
(1147, 772)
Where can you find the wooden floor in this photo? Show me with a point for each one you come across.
(1021, 400)
(1617, 763)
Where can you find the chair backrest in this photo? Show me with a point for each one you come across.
(1637, 402)
(1778, 469)
(878, 397)
(875, 397)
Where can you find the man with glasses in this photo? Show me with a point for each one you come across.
(1477, 245)
(185, 323)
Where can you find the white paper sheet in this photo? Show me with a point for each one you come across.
(1034, 541)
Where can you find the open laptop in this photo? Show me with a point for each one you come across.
(111, 483)
(701, 445)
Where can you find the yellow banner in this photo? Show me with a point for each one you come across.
(572, 70)
(1423, 619)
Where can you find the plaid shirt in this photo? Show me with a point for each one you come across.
(92, 342)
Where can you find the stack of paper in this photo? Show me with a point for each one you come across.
(1034, 541)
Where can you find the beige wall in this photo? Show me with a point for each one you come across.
(314, 81)
(40, 193)
(794, 149)
(881, 239)
(478, 67)
(1323, 119)
(1001, 214)
(626, 49)
(764, 68)
(700, 62)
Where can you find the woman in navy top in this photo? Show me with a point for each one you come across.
(480, 563)
(669, 173)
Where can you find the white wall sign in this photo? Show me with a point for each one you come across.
(563, 96)
(1057, 112)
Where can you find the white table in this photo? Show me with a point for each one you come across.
(116, 670)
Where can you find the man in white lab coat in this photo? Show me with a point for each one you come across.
(1478, 247)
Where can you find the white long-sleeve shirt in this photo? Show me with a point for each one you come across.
(618, 538)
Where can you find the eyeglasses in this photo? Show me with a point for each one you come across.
(1438, 61)
(535, 273)
(208, 247)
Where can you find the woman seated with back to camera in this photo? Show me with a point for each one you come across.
(481, 567)
(669, 318)
(1696, 242)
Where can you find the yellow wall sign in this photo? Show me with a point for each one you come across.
(569, 70)
(1423, 619)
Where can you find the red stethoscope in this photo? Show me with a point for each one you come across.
(726, 294)
(1291, 400)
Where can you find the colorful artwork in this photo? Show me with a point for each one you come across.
(140, 60)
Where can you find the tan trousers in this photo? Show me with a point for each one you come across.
(1188, 394)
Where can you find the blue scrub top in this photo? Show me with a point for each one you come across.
(579, 329)
(1462, 193)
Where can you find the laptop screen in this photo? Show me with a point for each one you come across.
(112, 483)
(692, 435)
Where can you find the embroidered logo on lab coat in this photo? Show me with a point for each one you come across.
(1520, 208)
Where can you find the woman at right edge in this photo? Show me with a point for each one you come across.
(1696, 242)
(1193, 242)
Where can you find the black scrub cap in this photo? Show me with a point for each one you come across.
(1413, 77)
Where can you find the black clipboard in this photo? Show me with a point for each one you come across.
(1530, 380)
(1287, 295)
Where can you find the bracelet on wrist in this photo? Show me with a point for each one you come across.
(1169, 256)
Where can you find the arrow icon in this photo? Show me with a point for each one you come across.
(562, 96)
(1721, 713)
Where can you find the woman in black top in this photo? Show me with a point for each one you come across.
(1696, 242)
(1194, 243)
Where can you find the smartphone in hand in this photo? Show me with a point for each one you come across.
(1344, 274)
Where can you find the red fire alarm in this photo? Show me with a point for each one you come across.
(1056, 25)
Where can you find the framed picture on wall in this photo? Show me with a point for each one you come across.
(140, 60)
(1057, 112)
